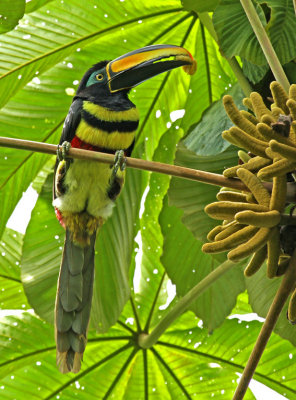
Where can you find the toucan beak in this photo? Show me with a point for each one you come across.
(139, 65)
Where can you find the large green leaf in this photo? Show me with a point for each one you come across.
(10, 13)
(187, 265)
(42, 251)
(42, 106)
(157, 118)
(192, 196)
(37, 112)
(114, 249)
(281, 28)
(200, 5)
(236, 35)
(203, 148)
(33, 5)
(12, 291)
(212, 78)
(254, 72)
(152, 283)
(205, 137)
(186, 362)
(261, 292)
(62, 27)
(242, 304)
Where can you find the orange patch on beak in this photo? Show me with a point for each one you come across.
(139, 58)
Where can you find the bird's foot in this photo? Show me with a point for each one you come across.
(62, 153)
(119, 163)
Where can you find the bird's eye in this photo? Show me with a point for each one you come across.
(99, 77)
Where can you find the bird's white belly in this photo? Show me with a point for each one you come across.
(86, 189)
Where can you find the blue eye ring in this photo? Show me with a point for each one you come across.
(99, 77)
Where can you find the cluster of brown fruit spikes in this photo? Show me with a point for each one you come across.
(251, 220)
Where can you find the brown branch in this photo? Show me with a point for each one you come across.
(276, 307)
(182, 172)
(173, 170)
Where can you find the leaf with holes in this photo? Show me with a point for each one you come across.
(261, 301)
(186, 362)
(187, 265)
(10, 14)
(192, 197)
(152, 280)
(37, 111)
(11, 288)
(199, 5)
(236, 36)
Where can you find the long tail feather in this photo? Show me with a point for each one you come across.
(73, 303)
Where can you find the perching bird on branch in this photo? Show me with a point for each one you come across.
(101, 118)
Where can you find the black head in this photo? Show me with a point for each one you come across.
(96, 74)
(94, 87)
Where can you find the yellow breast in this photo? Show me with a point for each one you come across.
(107, 128)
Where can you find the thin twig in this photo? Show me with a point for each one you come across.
(265, 44)
(173, 170)
(276, 307)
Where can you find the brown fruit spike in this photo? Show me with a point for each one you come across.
(276, 111)
(258, 105)
(232, 228)
(231, 241)
(292, 107)
(237, 118)
(260, 193)
(292, 308)
(284, 150)
(280, 96)
(254, 164)
(278, 168)
(267, 219)
(292, 91)
(267, 119)
(241, 139)
(227, 209)
(279, 193)
(249, 116)
(212, 234)
(256, 261)
(228, 195)
(274, 250)
(247, 103)
(268, 133)
(283, 265)
(254, 244)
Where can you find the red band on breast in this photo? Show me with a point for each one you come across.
(59, 217)
(80, 144)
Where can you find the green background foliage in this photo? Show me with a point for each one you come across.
(45, 48)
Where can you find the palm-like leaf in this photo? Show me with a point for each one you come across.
(187, 362)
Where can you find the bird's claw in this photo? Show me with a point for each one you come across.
(63, 150)
(119, 163)
(62, 153)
